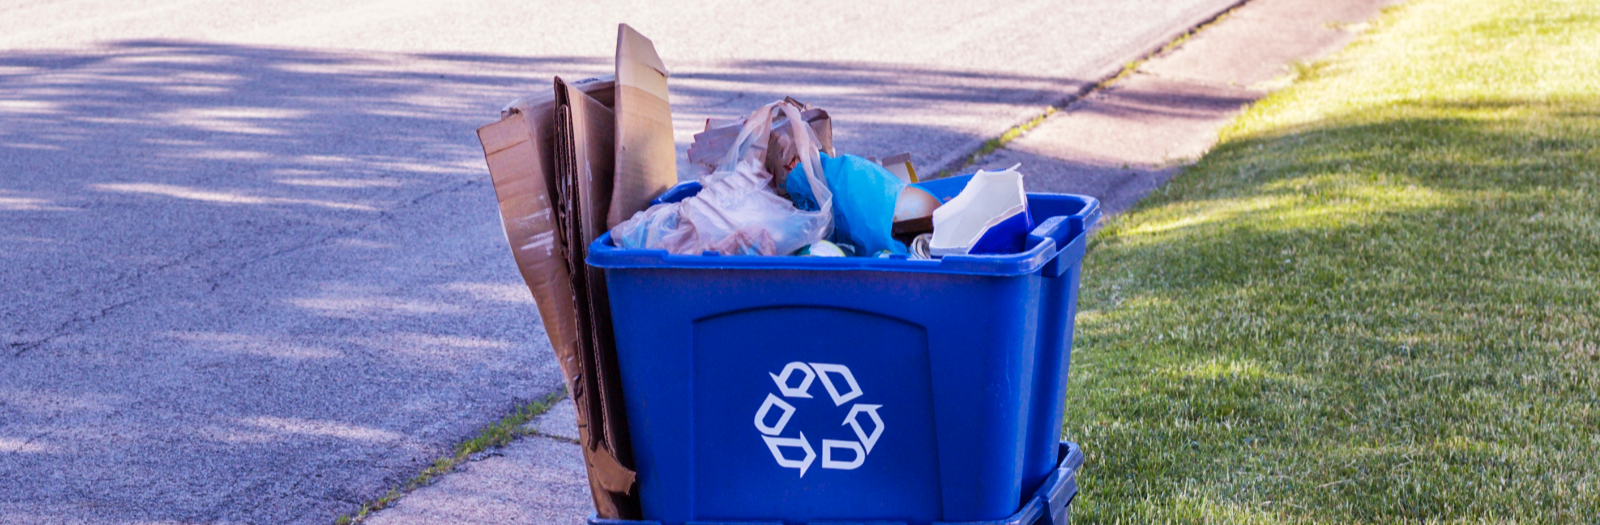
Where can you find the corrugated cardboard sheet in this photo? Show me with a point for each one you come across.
(567, 166)
(585, 172)
(535, 154)
(646, 156)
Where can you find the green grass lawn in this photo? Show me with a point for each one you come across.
(1377, 300)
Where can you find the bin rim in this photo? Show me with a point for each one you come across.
(1051, 237)
(1041, 250)
(603, 255)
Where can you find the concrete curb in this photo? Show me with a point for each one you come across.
(961, 158)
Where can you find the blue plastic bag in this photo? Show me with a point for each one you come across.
(864, 195)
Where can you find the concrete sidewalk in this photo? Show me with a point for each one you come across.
(538, 479)
(1116, 144)
(1119, 143)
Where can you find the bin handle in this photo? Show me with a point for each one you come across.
(1057, 230)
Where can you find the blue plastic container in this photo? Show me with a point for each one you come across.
(803, 389)
(1051, 504)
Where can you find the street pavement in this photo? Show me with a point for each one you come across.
(250, 265)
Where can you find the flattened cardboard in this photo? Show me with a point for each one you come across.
(585, 171)
(601, 88)
(517, 165)
(593, 135)
(646, 156)
(518, 149)
(590, 154)
(521, 152)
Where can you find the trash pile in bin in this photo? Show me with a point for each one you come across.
(773, 185)
(590, 156)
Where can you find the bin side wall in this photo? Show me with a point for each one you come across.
(950, 361)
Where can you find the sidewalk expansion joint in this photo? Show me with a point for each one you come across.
(552, 437)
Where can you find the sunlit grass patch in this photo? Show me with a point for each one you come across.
(1376, 300)
(1319, 201)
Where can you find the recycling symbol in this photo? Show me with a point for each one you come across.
(833, 455)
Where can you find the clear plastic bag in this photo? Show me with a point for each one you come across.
(737, 212)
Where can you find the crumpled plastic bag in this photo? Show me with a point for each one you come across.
(863, 215)
(709, 146)
(737, 212)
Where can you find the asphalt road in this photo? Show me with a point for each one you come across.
(250, 267)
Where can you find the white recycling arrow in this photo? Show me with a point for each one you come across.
(830, 374)
(877, 424)
(773, 443)
(761, 415)
(823, 369)
(829, 445)
(805, 384)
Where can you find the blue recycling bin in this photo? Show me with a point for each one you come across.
(804, 389)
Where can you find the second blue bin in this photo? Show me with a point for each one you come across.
(803, 389)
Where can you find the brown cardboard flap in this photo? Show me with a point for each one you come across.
(518, 150)
(612, 475)
(584, 155)
(646, 157)
(593, 133)
(509, 166)
(639, 52)
(602, 88)
(583, 170)
(526, 214)
(521, 151)
(500, 135)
